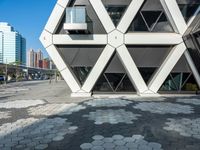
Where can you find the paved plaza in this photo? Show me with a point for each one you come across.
(39, 115)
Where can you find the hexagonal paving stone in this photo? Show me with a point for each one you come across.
(86, 146)
(5, 114)
(34, 133)
(108, 145)
(117, 137)
(41, 146)
(189, 101)
(112, 116)
(118, 142)
(97, 143)
(58, 138)
(55, 109)
(108, 103)
(185, 127)
(164, 108)
(97, 137)
(21, 103)
(108, 140)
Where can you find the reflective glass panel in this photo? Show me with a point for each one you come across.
(75, 15)
(151, 18)
(116, 12)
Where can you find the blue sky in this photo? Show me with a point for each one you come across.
(27, 17)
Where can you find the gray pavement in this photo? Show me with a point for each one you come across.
(39, 115)
(54, 92)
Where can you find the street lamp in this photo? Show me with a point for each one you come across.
(6, 73)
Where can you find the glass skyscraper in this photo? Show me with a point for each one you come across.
(12, 45)
(1, 47)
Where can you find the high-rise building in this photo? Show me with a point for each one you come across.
(31, 58)
(12, 45)
(125, 46)
(39, 56)
(23, 52)
(34, 58)
(1, 47)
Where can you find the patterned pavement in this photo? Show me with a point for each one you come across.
(101, 124)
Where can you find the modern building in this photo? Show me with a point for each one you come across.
(34, 58)
(45, 63)
(30, 58)
(23, 52)
(1, 47)
(39, 56)
(123, 46)
(12, 45)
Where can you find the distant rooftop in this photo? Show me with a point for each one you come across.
(4, 24)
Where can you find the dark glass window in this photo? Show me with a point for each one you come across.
(188, 10)
(180, 82)
(114, 78)
(80, 60)
(163, 25)
(148, 58)
(102, 85)
(138, 24)
(81, 73)
(113, 82)
(147, 73)
(151, 18)
(116, 12)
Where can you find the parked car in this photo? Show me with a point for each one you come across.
(1, 78)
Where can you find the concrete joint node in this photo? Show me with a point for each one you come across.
(115, 38)
(46, 38)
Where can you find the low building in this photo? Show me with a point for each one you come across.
(117, 46)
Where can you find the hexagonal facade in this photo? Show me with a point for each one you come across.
(123, 46)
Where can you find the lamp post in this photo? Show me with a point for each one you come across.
(56, 76)
(6, 73)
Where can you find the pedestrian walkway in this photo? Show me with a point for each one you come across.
(101, 124)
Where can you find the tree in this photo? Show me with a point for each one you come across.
(18, 73)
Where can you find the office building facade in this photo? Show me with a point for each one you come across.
(123, 46)
(23, 51)
(1, 47)
(31, 58)
(12, 45)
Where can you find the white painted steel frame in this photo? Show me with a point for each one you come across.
(178, 22)
(49, 39)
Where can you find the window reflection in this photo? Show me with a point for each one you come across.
(75, 15)
(151, 18)
(116, 12)
(188, 8)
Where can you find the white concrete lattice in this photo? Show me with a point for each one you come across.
(116, 41)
